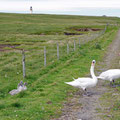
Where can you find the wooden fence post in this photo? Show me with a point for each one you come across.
(74, 45)
(23, 62)
(45, 56)
(57, 51)
(67, 48)
(79, 42)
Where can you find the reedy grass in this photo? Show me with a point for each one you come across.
(46, 88)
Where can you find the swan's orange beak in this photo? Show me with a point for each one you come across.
(93, 62)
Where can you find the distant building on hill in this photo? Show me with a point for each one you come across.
(104, 15)
(31, 9)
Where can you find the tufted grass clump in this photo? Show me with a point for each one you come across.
(16, 105)
(2, 106)
(98, 46)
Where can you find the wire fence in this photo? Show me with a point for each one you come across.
(43, 57)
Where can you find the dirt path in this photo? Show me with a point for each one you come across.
(85, 108)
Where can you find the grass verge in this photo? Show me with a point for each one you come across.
(46, 88)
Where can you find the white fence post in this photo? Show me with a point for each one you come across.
(74, 45)
(67, 48)
(23, 62)
(79, 42)
(45, 56)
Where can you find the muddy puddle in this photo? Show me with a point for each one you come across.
(3, 47)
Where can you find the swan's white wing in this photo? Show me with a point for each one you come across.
(81, 80)
(86, 82)
(110, 74)
(73, 83)
(82, 83)
(115, 73)
(104, 75)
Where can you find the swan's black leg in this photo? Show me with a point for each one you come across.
(87, 93)
(113, 83)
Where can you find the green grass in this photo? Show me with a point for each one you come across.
(46, 88)
(110, 101)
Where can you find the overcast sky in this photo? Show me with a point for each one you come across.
(88, 7)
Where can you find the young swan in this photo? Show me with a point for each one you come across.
(85, 83)
(20, 87)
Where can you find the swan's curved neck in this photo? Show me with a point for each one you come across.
(92, 72)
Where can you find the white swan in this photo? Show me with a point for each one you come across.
(110, 75)
(85, 82)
